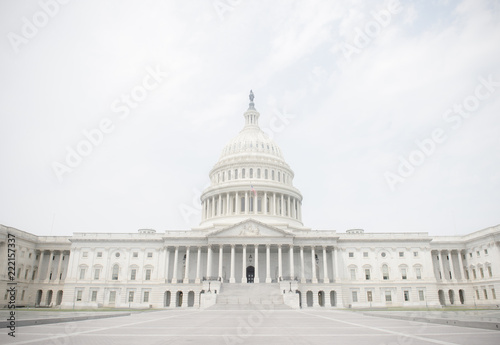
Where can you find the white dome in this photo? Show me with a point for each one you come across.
(251, 180)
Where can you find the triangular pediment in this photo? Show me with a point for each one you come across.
(251, 228)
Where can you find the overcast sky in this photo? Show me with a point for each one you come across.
(387, 113)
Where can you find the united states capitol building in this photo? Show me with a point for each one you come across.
(252, 248)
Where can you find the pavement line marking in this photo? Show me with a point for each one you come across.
(95, 330)
(386, 330)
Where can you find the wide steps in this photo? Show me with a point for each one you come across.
(250, 296)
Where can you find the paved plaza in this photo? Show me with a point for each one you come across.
(251, 326)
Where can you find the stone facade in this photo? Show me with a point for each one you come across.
(251, 232)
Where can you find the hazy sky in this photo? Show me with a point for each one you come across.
(388, 113)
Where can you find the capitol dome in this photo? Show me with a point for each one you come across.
(251, 180)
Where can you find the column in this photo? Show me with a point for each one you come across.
(268, 263)
(461, 263)
(264, 203)
(203, 210)
(302, 266)
(325, 267)
(198, 263)
(288, 207)
(280, 263)
(209, 261)
(292, 267)
(246, 203)
(313, 263)
(58, 273)
(441, 266)
(221, 253)
(255, 197)
(176, 257)
(167, 262)
(237, 204)
(274, 204)
(40, 263)
(336, 264)
(300, 210)
(231, 279)
(49, 266)
(186, 270)
(452, 267)
(244, 265)
(292, 211)
(228, 203)
(282, 206)
(256, 278)
(219, 208)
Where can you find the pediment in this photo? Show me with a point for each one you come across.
(251, 228)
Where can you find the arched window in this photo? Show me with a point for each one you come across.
(258, 173)
(243, 173)
(114, 275)
(272, 175)
(266, 176)
(229, 175)
(235, 174)
(279, 176)
(251, 173)
(385, 272)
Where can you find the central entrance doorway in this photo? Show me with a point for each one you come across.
(250, 274)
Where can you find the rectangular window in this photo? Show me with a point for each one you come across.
(415, 254)
(85, 254)
(354, 296)
(135, 254)
(82, 273)
(489, 272)
(467, 274)
(388, 296)
(133, 274)
(367, 274)
(130, 296)
(406, 295)
(353, 273)
(477, 295)
(351, 254)
(259, 205)
(470, 254)
(146, 296)
(486, 252)
(421, 295)
(369, 296)
(478, 254)
(365, 254)
(93, 297)
(79, 294)
(96, 273)
(403, 273)
(401, 254)
(493, 294)
(22, 295)
(474, 273)
(112, 296)
(242, 204)
(28, 271)
(481, 271)
(418, 272)
(150, 254)
(485, 294)
(99, 254)
(148, 274)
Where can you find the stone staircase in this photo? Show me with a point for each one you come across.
(250, 296)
